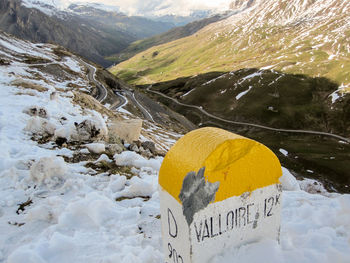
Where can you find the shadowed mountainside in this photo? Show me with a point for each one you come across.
(265, 97)
(277, 100)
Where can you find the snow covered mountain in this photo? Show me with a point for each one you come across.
(147, 8)
(90, 32)
(172, 13)
(53, 6)
(70, 191)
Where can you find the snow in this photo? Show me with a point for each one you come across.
(312, 186)
(339, 93)
(129, 158)
(138, 188)
(314, 228)
(72, 64)
(103, 158)
(48, 169)
(240, 95)
(96, 147)
(40, 126)
(335, 96)
(73, 217)
(79, 128)
(250, 76)
(283, 151)
(187, 93)
(288, 181)
(71, 213)
(23, 47)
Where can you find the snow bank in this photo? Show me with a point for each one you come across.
(97, 148)
(129, 158)
(66, 214)
(103, 158)
(40, 126)
(312, 186)
(314, 228)
(37, 111)
(138, 188)
(67, 131)
(89, 128)
(48, 169)
(288, 181)
(117, 183)
(94, 210)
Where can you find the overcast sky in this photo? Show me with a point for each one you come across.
(160, 7)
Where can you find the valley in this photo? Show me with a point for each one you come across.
(274, 71)
(169, 36)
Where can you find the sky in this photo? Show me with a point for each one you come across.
(149, 7)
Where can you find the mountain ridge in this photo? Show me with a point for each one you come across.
(90, 37)
(288, 36)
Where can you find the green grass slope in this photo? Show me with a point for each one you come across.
(294, 36)
(171, 35)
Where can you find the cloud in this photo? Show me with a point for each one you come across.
(153, 7)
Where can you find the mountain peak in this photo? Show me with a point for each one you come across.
(148, 8)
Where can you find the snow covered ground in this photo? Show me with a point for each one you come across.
(54, 211)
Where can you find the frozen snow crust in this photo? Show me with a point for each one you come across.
(55, 211)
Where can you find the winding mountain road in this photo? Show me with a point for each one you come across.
(144, 111)
(121, 103)
(246, 123)
(103, 93)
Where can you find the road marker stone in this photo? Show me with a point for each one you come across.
(217, 190)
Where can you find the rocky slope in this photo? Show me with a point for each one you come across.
(95, 33)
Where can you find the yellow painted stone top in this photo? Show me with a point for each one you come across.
(238, 163)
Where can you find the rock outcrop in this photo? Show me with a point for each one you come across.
(127, 130)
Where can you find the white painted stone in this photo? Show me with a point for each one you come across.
(233, 222)
(175, 230)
